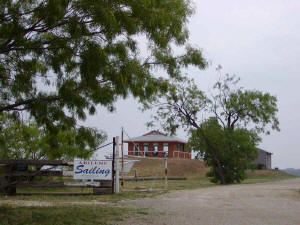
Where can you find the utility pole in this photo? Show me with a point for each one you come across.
(166, 173)
(117, 165)
(122, 149)
(113, 165)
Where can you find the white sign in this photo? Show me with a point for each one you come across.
(93, 169)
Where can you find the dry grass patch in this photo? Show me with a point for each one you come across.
(146, 167)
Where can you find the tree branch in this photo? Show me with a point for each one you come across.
(28, 102)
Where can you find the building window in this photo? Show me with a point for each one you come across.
(180, 147)
(165, 149)
(136, 149)
(155, 149)
(146, 150)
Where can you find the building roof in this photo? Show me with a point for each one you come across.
(155, 136)
(259, 149)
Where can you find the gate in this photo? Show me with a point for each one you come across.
(16, 173)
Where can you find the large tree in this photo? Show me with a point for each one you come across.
(225, 127)
(228, 152)
(59, 59)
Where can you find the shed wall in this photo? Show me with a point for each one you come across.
(263, 158)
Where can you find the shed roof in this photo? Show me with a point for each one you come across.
(155, 136)
(259, 149)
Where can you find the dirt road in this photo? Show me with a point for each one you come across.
(276, 203)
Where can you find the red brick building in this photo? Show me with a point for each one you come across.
(157, 144)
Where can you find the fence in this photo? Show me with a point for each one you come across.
(22, 173)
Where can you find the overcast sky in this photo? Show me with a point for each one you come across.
(259, 41)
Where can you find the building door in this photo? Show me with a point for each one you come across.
(146, 148)
(136, 149)
(155, 149)
(165, 149)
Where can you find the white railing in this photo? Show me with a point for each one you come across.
(178, 154)
(146, 153)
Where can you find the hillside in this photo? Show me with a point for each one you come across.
(188, 168)
(191, 169)
(292, 171)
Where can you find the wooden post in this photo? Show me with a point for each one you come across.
(8, 183)
(166, 173)
(135, 175)
(117, 165)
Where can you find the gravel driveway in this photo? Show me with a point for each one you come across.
(276, 203)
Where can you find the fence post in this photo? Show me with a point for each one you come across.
(8, 182)
(135, 175)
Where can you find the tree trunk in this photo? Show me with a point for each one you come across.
(211, 149)
(219, 168)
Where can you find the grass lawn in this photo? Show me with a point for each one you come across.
(79, 215)
(259, 176)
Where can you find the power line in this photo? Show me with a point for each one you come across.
(100, 147)
(134, 144)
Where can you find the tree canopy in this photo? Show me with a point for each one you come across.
(27, 140)
(227, 152)
(224, 127)
(59, 59)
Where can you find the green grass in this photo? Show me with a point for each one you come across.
(79, 215)
(55, 190)
(189, 183)
(109, 198)
(203, 181)
(260, 176)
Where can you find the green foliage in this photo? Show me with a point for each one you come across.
(59, 59)
(236, 107)
(27, 140)
(179, 106)
(234, 119)
(231, 150)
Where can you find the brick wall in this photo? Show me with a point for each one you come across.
(172, 150)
